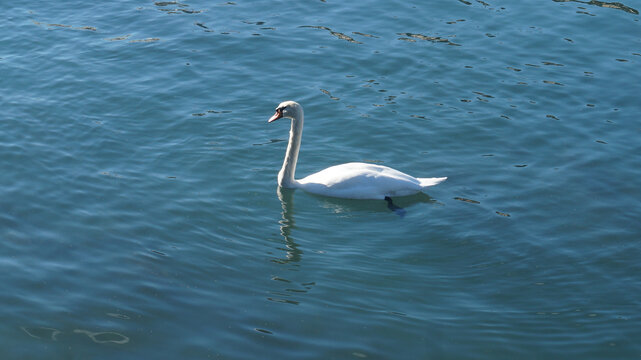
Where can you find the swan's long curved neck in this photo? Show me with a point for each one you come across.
(288, 171)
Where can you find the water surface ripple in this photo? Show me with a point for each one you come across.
(139, 214)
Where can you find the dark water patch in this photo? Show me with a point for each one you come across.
(483, 95)
(55, 25)
(603, 4)
(181, 11)
(514, 69)
(63, 26)
(552, 82)
(326, 92)
(584, 13)
(158, 252)
(549, 63)
(175, 7)
(203, 26)
(371, 82)
(434, 39)
(284, 301)
(147, 40)
(470, 201)
(259, 23)
(520, 165)
(119, 38)
(334, 33)
(300, 291)
(621, 60)
(364, 34)
(211, 112)
(484, 3)
(601, 142)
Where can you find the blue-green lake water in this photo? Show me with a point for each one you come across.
(139, 212)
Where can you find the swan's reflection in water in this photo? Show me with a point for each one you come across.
(290, 288)
(286, 197)
(342, 207)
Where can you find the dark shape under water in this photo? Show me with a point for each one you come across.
(398, 210)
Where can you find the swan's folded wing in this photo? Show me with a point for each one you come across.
(360, 181)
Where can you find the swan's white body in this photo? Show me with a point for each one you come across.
(351, 180)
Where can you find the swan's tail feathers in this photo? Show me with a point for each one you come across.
(425, 182)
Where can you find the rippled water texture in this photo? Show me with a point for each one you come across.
(139, 215)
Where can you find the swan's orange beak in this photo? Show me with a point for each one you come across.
(277, 115)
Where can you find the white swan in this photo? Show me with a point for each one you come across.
(352, 180)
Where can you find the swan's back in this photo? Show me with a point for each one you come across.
(364, 181)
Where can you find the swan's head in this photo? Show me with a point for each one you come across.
(287, 109)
